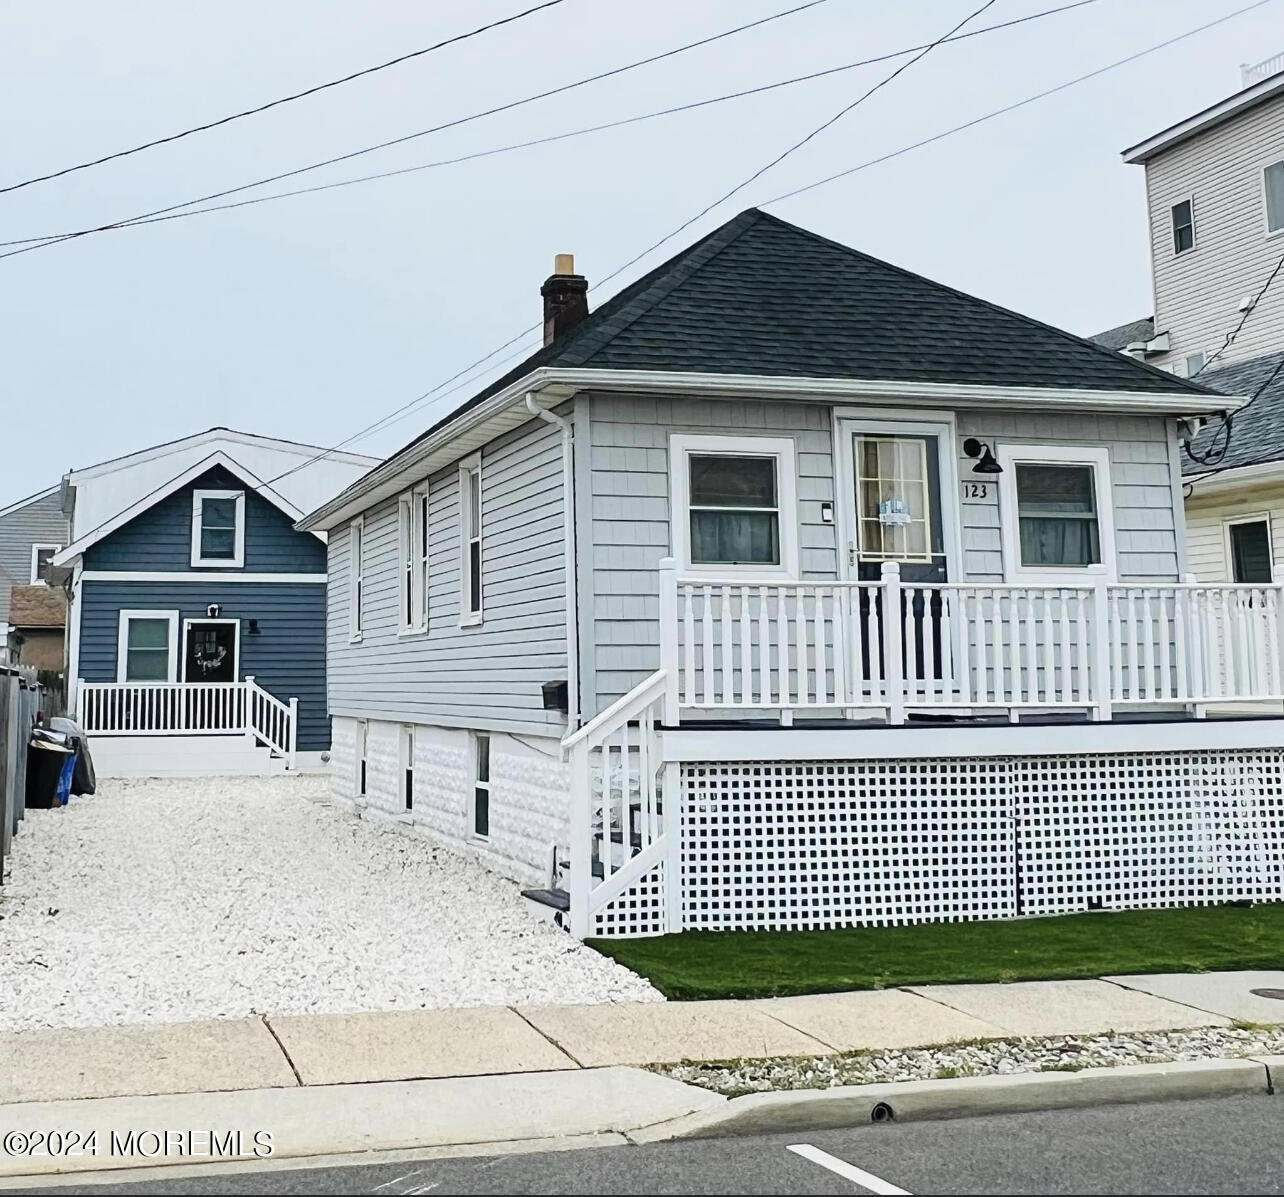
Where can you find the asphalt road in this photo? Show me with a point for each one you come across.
(1225, 1145)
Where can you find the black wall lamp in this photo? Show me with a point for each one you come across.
(985, 463)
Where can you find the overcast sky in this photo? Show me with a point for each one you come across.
(308, 318)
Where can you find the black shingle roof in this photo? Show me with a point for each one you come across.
(1257, 432)
(761, 296)
(1126, 334)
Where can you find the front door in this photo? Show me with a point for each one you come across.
(896, 516)
(209, 654)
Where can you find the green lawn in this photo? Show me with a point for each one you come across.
(743, 964)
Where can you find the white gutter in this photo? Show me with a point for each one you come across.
(568, 558)
(469, 430)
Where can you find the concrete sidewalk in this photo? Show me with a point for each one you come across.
(291, 1051)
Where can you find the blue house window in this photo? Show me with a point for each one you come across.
(218, 528)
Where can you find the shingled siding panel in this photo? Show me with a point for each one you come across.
(160, 538)
(484, 676)
(286, 657)
(38, 522)
(630, 513)
(629, 498)
(1141, 481)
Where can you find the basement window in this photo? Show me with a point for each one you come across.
(408, 766)
(481, 785)
(363, 737)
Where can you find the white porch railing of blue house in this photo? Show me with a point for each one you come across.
(888, 649)
(189, 709)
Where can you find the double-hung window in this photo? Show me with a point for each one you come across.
(218, 528)
(1057, 514)
(1273, 186)
(1183, 217)
(470, 540)
(146, 648)
(734, 504)
(356, 579)
(412, 527)
(1248, 540)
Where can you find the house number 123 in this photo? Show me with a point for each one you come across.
(976, 490)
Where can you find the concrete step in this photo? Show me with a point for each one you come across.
(548, 905)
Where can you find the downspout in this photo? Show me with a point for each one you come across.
(569, 558)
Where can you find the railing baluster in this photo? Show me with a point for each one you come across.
(1000, 677)
(746, 651)
(706, 658)
(1032, 646)
(764, 647)
(982, 651)
(1148, 645)
(842, 596)
(910, 642)
(1272, 649)
(1014, 638)
(782, 646)
(818, 650)
(728, 656)
(1181, 644)
(873, 646)
(800, 632)
(688, 647)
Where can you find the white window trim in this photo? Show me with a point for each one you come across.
(681, 446)
(412, 514)
(467, 467)
(236, 645)
(1256, 517)
(356, 577)
(1266, 214)
(122, 642)
(36, 579)
(1009, 456)
(237, 560)
(478, 784)
(1172, 228)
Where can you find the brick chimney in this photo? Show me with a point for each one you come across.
(565, 298)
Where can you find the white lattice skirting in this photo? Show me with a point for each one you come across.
(806, 845)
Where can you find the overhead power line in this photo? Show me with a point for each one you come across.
(563, 136)
(704, 211)
(439, 390)
(1041, 95)
(451, 124)
(298, 95)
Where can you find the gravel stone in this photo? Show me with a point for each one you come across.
(1063, 1053)
(188, 898)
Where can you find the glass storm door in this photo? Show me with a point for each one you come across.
(210, 653)
(897, 482)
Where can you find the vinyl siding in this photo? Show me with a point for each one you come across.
(629, 506)
(484, 676)
(1206, 517)
(39, 522)
(286, 657)
(1197, 294)
(160, 538)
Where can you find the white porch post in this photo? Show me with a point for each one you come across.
(294, 730)
(669, 638)
(1200, 639)
(1101, 678)
(247, 720)
(581, 878)
(893, 643)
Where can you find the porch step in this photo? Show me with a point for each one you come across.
(548, 905)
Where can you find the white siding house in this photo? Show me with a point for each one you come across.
(787, 589)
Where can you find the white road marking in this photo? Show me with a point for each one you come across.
(866, 1180)
(396, 1180)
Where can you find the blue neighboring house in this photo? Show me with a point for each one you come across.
(197, 623)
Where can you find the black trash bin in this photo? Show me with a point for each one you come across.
(84, 780)
(46, 758)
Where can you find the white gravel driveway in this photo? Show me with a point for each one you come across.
(167, 900)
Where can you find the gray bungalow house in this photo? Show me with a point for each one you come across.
(792, 589)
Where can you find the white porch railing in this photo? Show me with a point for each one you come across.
(188, 709)
(889, 647)
(619, 827)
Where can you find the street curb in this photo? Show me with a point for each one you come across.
(909, 1101)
